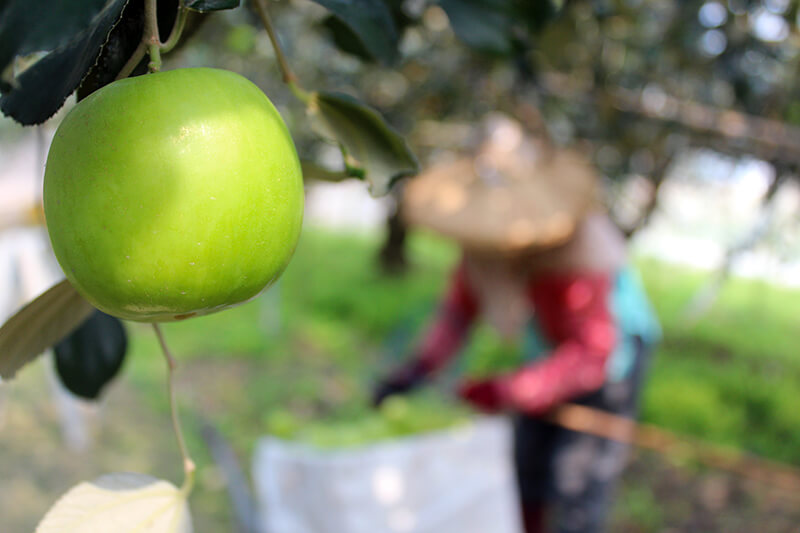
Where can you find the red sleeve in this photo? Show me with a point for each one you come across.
(452, 324)
(574, 313)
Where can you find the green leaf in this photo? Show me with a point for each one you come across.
(39, 325)
(315, 172)
(42, 89)
(28, 26)
(485, 25)
(372, 150)
(92, 355)
(537, 15)
(211, 5)
(346, 39)
(371, 21)
(122, 503)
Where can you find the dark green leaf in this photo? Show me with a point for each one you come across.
(371, 21)
(211, 5)
(485, 25)
(401, 17)
(89, 358)
(28, 26)
(39, 325)
(346, 39)
(536, 15)
(372, 150)
(42, 88)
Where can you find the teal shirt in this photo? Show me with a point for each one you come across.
(633, 315)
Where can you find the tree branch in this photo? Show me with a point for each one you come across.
(286, 71)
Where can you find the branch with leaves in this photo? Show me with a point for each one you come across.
(371, 149)
(730, 130)
(92, 44)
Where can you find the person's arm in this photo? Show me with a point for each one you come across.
(441, 342)
(574, 313)
(450, 328)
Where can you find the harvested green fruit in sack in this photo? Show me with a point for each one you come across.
(398, 416)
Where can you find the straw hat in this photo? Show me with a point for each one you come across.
(514, 194)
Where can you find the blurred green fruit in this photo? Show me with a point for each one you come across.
(398, 417)
(241, 39)
(282, 424)
(173, 194)
(395, 409)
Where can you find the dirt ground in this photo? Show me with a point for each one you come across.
(130, 432)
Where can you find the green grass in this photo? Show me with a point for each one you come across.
(638, 505)
(319, 338)
(732, 377)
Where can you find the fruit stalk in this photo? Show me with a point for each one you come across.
(188, 464)
(177, 30)
(151, 37)
(145, 45)
(133, 61)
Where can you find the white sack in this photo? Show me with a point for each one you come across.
(453, 481)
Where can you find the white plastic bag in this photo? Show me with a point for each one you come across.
(454, 481)
(27, 269)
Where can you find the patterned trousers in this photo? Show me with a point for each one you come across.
(573, 474)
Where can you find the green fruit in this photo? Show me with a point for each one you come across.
(173, 194)
(395, 409)
(241, 39)
(282, 424)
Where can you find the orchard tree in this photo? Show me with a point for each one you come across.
(635, 81)
(174, 194)
(645, 80)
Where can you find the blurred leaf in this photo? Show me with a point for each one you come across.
(43, 88)
(123, 503)
(123, 41)
(28, 26)
(346, 39)
(536, 15)
(315, 172)
(400, 15)
(371, 21)
(89, 358)
(372, 150)
(39, 325)
(485, 25)
(211, 5)
(7, 78)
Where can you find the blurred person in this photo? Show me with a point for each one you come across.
(543, 264)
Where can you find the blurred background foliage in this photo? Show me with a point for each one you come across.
(636, 84)
(298, 362)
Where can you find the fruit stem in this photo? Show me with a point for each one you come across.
(151, 41)
(134, 60)
(177, 30)
(188, 465)
(288, 75)
(300, 93)
(155, 58)
(150, 37)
